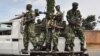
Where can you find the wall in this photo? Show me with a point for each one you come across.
(92, 37)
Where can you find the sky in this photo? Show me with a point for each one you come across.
(10, 8)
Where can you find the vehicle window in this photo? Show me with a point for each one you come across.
(5, 28)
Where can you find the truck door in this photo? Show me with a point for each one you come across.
(5, 38)
(16, 37)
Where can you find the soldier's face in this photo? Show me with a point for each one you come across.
(28, 8)
(57, 8)
(75, 7)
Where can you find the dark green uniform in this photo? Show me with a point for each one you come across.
(55, 36)
(52, 33)
(58, 18)
(56, 29)
(40, 33)
(74, 19)
(68, 34)
(29, 33)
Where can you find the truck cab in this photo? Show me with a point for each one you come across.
(10, 38)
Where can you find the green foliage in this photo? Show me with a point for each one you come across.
(89, 23)
(50, 6)
(90, 18)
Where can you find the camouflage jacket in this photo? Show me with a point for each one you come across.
(29, 17)
(59, 16)
(39, 28)
(74, 17)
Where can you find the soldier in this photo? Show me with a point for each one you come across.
(52, 33)
(68, 34)
(40, 31)
(59, 16)
(56, 27)
(28, 22)
(74, 19)
(49, 23)
(55, 36)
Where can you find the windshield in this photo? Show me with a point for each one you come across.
(5, 28)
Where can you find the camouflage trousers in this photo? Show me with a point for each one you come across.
(29, 35)
(78, 31)
(52, 36)
(69, 37)
(41, 38)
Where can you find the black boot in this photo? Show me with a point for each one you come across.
(55, 48)
(25, 50)
(43, 48)
(48, 47)
(67, 47)
(82, 47)
(40, 48)
(36, 48)
(71, 48)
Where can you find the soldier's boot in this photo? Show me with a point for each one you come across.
(34, 49)
(71, 48)
(82, 47)
(48, 47)
(55, 48)
(67, 47)
(40, 47)
(25, 50)
(43, 48)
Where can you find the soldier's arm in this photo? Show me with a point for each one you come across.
(80, 15)
(19, 17)
(68, 16)
(37, 12)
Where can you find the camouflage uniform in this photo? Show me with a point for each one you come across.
(55, 36)
(56, 28)
(29, 33)
(59, 16)
(68, 34)
(53, 31)
(52, 35)
(40, 33)
(74, 19)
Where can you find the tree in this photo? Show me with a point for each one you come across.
(89, 23)
(50, 6)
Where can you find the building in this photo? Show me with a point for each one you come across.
(93, 38)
